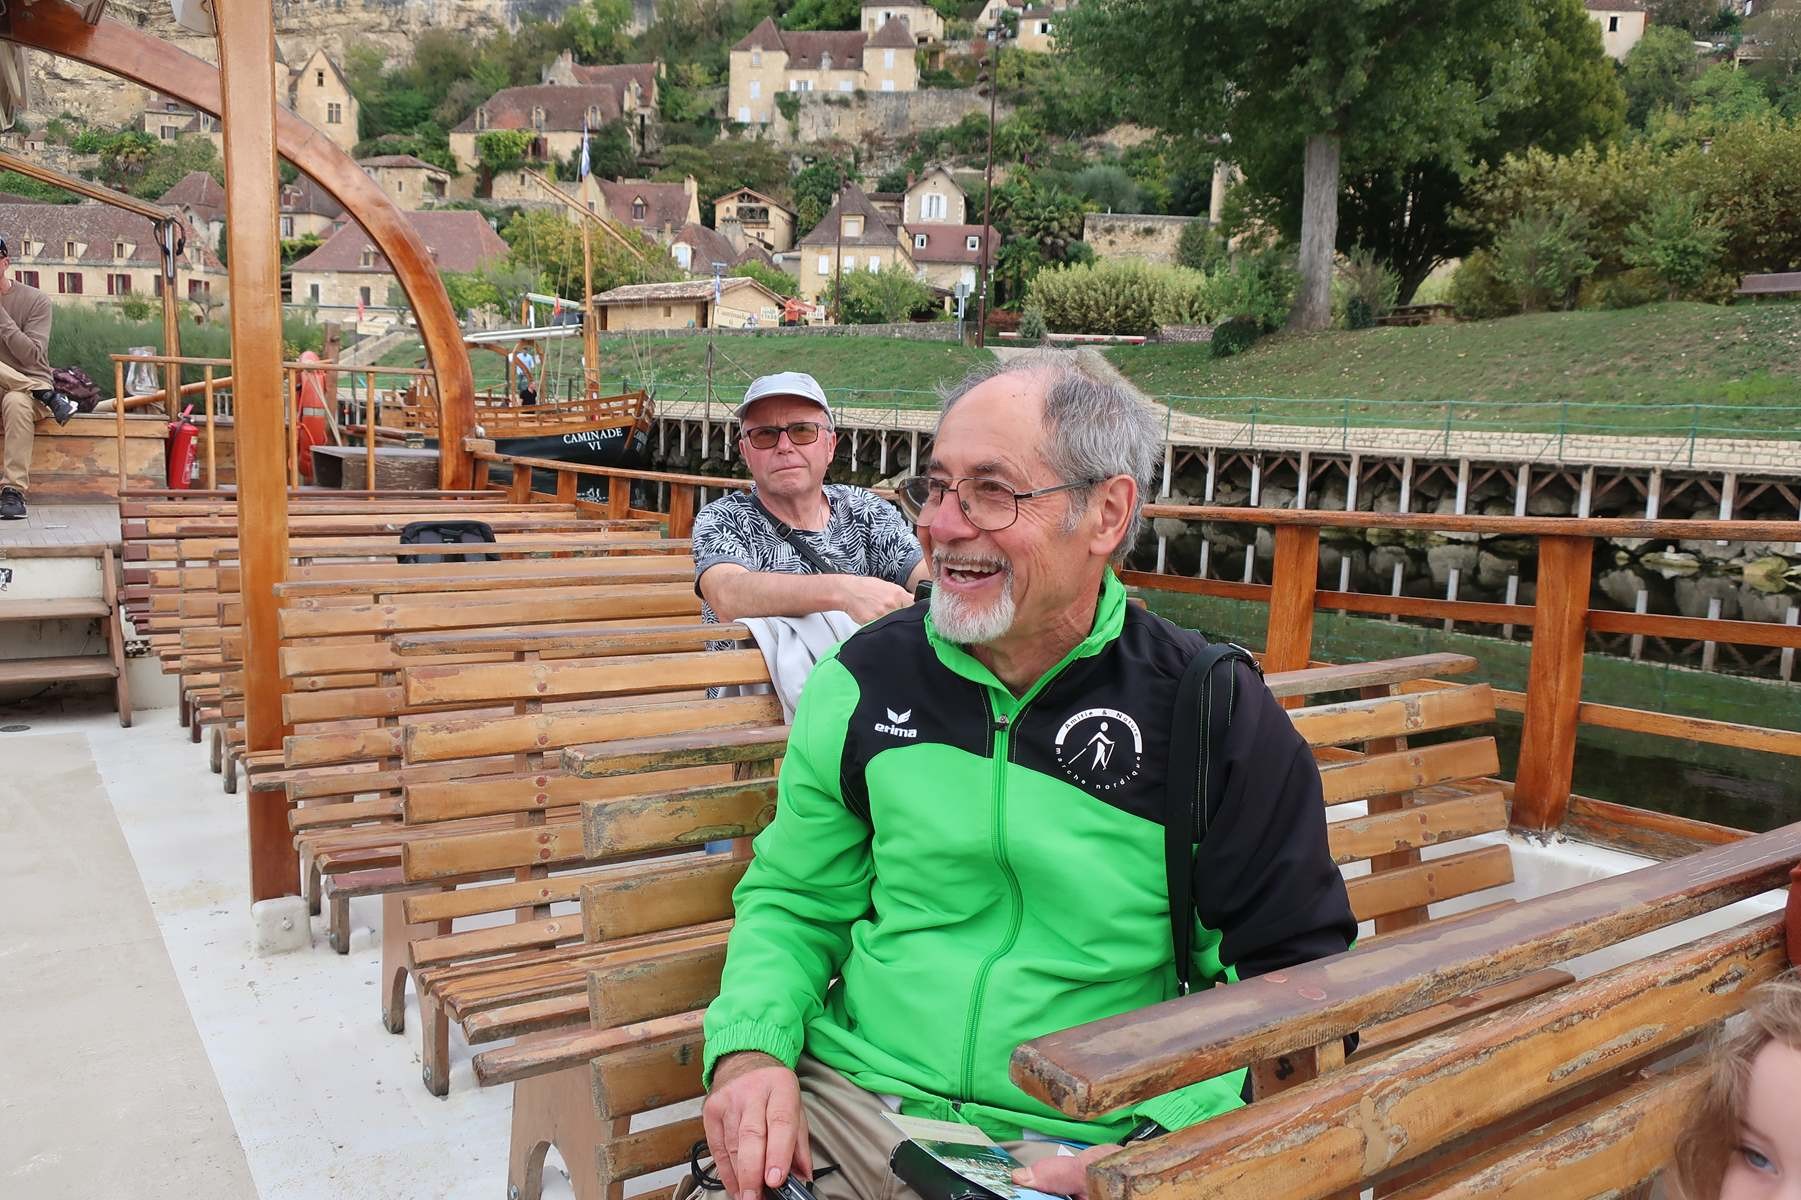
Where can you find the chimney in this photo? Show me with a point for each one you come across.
(668, 234)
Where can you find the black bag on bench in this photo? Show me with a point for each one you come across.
(449, 533)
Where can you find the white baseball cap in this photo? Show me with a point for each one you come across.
(798, 384)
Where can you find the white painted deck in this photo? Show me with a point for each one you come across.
(149, 1053)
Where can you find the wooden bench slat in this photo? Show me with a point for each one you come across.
(644, 1078)
(681, 977)
(673, 819)
(629, 755)
(1405, 770)
(625, 675)
(1395, 716)
(1417, 826)
(456, 799)
(648, 899)
(1429, 882)
(430, 741)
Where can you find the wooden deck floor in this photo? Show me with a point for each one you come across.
(49, 527)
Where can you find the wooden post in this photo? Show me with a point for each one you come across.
(293, 428)
(1541, 791)
(212, 437)
(247, 77)
(171, 318)
(1294, 581)
(119, 418)
(371, 413)
(681, 510)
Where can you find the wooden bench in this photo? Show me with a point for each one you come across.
(1782, 283)
(347, 706)
(1573, 1092)
(632, 685)
(1387, 802)
(103, 610)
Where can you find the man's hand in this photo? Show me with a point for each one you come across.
(1063, 1175)
(755, 1125)
(866, 598)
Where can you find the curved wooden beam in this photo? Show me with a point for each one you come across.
(121, 50)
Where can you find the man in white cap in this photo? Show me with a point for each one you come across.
(795, 545)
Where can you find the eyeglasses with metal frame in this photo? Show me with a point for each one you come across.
(989, 504)
(800, 433)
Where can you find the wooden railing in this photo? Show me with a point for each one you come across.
(348, 409)
(1560, 618)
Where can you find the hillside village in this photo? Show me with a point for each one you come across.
(838, 158)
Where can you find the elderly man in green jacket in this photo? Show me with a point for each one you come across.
(968, 850)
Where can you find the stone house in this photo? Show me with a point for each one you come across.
(315, 91)
(636, 84)
(1622, 24)
(740, 303)
(656, 210)
(946, 256)
(307, 210)
(93, 253)
(987, 14)
(923, 21)
(768, 61)
(555, 114)
(348, 269)
(318, 92)
(763, 220)
(867, 240)
(696, 248)
(1038, 30)
(409, 182)
(934, 197)
(200, 199)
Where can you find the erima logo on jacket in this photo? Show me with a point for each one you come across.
(896, 724)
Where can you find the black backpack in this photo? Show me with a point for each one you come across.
(449, 533)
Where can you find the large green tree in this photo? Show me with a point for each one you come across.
(1367, 80)
(1405, 212)
(1657, 73)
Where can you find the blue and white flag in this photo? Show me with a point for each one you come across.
(584, 173)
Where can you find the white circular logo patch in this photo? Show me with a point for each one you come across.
(1100, 748)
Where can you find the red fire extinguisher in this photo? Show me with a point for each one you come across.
(179, 451)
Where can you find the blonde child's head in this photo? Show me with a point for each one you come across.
(1744, 1140)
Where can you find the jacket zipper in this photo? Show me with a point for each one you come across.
(999, 750)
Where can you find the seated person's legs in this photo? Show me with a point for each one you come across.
(19, 415)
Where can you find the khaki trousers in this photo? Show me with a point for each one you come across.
(20, 412)
(846, 1128)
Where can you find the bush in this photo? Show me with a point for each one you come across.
(1369, 288)
(502, 149)
(87, 338)
(1676, 242)
(1259, 285)
(1623, 289)
(1477, 293)
(773, 278)
(1114, 297)
(1234, 337)
(1543, 256)
(1201, 248)
(136, 308)
(1031, 324)
(883, 297)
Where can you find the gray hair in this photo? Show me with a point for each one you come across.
(1096, 423)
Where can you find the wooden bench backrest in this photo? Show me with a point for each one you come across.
(643, 1038)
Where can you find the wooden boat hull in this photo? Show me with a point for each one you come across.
(617, 446)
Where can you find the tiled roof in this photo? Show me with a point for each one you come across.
(306, 196)
(807, 50)
(399, 160)
(893, 35)
(852, 201)
(709, 245)
(662, 293)
(1614, 6)
(752, 193)
(565, 108)
(754, 252)
(947, 243)
(199, 191)
(459, 240)
(96, 225)
(619, 77)
(664, 203)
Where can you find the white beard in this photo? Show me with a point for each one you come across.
(957, 620)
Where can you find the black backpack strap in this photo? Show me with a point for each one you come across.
(1195, 781)
(439, 533)
(785, 531)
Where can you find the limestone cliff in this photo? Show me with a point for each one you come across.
(301, 26)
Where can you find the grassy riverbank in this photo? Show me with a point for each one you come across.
(1632, 371)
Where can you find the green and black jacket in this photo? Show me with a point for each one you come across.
(954, 870)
